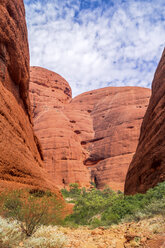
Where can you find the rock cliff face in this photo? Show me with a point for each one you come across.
(108, 121)
(62, 150)
(14, 52)
(91, 137)
(20, 151)
(148, 165)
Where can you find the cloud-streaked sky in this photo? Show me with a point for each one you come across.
(97, 43)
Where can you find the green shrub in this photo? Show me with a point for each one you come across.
(110, 218)
(73, 193)
(89, 205)
(113, 207)
(74, 189)
(65, 193)
(95, 222)
(31, 210)
(150, 210)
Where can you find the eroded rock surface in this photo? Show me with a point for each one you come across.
(109, 140)
(62, 149)
(20, 151)
(91, 137)
(148, 165)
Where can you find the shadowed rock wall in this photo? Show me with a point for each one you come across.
(148, 165)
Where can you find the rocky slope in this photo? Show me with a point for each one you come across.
(148, 165)
(91, 137)
(20, 151)
(145, 234)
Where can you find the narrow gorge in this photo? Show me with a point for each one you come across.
(89, 138)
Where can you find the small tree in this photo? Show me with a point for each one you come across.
(31, 210)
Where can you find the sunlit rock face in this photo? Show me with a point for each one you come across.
(115, 116)
(20, 150)
(63, 154)
(91, 137)
(148, 165)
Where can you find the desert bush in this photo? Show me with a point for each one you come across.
(73, 193)
(10, 233)
(46, 237)
(31, 210)
(155, 208)
(150, 210)
(88, 205)
(74, 189)
(113, 207)
(65, 193)
(95, 222)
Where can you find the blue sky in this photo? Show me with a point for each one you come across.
(97, 43)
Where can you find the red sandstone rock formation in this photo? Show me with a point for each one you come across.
(114, 117)
(20, 152)
(148, 165)
(91, 137)
(62, 149)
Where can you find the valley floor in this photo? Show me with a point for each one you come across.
(146, 233)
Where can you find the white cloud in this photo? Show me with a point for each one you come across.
(119, 46)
